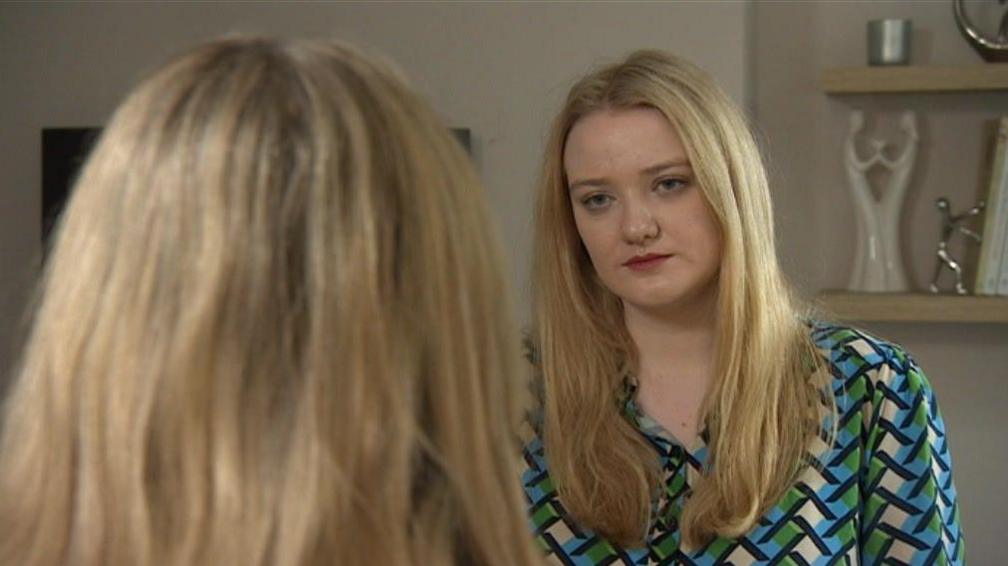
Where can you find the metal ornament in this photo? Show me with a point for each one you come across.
(992, 50)
(950, 225)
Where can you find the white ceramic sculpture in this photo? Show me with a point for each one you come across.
(878, 265)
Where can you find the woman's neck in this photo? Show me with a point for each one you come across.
(676, 367)
(673, 345)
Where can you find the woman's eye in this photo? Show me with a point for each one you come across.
(596, 201)
(669, 185)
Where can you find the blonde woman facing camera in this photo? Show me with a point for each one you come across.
(270, 333)
(690, 413)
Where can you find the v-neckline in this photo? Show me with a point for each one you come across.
(649, 425)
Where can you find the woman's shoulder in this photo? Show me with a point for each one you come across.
(864, 366)
(843, 342)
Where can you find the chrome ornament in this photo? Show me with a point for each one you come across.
(992, 50)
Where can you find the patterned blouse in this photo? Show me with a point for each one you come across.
(884, 493)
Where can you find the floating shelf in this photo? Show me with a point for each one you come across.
(914, 307)
(867, 80)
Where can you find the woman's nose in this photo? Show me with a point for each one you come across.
(639, 225)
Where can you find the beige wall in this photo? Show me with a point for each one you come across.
(501, 70)
(966, 363)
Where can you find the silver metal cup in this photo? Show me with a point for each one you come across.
(889, 42)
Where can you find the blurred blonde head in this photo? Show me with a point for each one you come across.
(270, 332)
(761, 411)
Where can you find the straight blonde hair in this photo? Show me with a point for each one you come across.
(271, 331)
(762, 410)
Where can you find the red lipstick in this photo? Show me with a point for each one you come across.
(645, 262)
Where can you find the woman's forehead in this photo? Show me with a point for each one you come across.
(628, 138)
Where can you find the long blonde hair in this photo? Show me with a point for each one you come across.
(271, 331)
(762, 409)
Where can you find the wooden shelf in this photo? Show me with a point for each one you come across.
(914, 307)
(866, 80)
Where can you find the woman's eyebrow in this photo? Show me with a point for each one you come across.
(673, 164)
(649, 170)
(597, 182)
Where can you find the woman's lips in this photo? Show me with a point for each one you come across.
(646, 262)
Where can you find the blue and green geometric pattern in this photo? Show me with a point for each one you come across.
(881, 494)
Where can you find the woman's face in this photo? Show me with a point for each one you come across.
(648, 229)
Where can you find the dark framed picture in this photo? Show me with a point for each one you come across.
(464, 137)
(64, 150)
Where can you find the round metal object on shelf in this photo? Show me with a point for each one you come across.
(992, 50)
